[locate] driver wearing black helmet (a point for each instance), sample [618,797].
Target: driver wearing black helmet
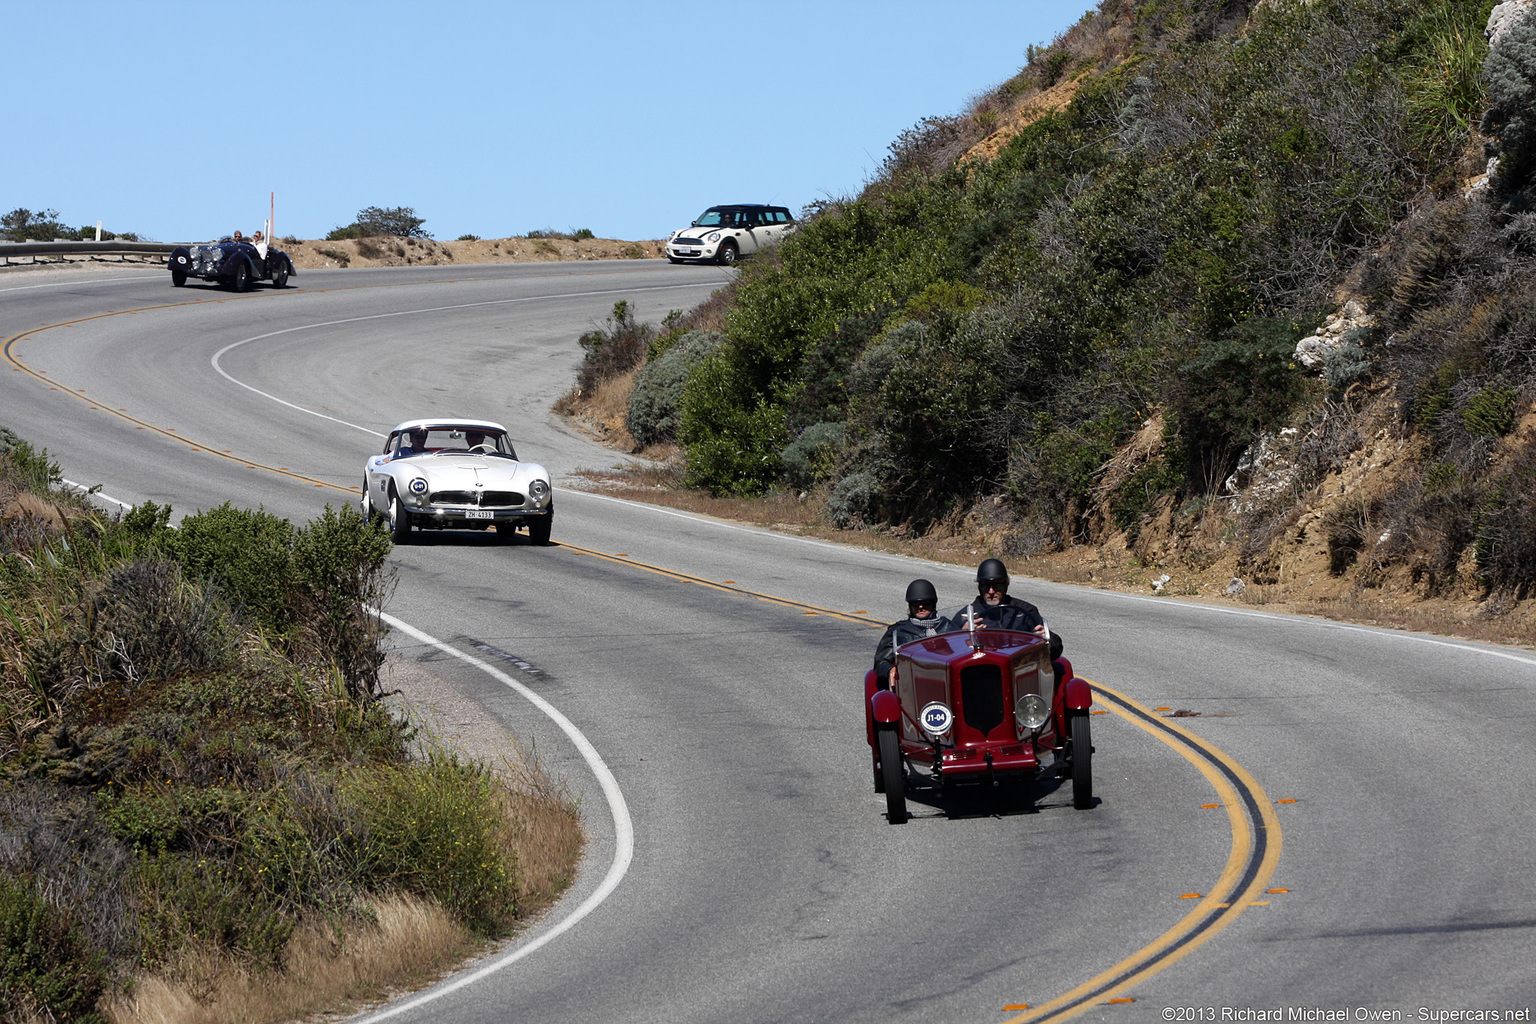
[922,621]
[994,608]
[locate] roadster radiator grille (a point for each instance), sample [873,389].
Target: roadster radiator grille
[981,697]
[479,499]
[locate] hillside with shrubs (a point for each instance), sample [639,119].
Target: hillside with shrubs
[207,811]
[1225,291]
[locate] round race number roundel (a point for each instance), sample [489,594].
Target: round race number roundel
[418,486]
[936,719]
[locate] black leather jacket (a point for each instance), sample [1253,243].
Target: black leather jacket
[904,632]
[1009,613]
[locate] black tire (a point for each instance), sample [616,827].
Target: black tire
[241,282]
[179,278]
[1082,763]
[895,778]
[879,778]
[673,259]
[539,529]
[280,275]
[399,520]
[727,254]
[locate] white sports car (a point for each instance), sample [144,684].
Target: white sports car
[456,474]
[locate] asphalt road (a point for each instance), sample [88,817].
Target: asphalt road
[1376,781]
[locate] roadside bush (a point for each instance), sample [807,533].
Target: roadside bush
[248,553]
[614,348]
[338,564]
[1506,531]
[437,830]
[653,415]
[25,466]
[1230,390]
[47,968]
[812,457]
[148,622]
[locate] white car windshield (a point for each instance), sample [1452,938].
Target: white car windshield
[713,218]
[453,439]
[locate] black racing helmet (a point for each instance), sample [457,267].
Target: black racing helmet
[992,570]
[921,590]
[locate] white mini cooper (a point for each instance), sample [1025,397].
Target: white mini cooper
[723,233]
[456,474]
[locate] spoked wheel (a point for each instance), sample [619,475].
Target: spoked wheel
[399,520]
[242,279]
[894,778]
[280,275]
[1082,763]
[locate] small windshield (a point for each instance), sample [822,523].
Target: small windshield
[449,438]
[715,217]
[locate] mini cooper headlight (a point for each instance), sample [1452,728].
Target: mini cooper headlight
[714,237]
[936,719]
[538,490]
[1031,710]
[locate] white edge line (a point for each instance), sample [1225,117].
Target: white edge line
[623,827]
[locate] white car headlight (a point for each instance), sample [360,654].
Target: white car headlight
[714,237]
[1032,711]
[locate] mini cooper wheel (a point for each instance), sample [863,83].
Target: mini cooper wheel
[399,520]
[895,778]
[1082,763]
[280,275]
[727,256]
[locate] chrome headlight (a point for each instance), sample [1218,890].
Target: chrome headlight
[714,236]
[1032,711]
[936,719]
[538,490]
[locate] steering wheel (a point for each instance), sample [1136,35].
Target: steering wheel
[489,449]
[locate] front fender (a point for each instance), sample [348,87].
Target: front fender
[1077,695]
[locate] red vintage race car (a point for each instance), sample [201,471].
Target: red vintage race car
[979,707]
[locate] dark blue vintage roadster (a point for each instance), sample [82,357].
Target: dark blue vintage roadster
[235,265]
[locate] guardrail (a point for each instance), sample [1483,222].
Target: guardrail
[28,253]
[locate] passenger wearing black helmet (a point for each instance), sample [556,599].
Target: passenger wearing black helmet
[922,620]
[995,609]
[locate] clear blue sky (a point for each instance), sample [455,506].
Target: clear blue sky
[176,119]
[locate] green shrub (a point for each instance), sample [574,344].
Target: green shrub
[248,553]
[1233,388]
[47,968]
[614,348]
[338,564]
[26,465]
[653,414]
[1490,412]
[468,238]
[582,234]
[436,830]
[812,457]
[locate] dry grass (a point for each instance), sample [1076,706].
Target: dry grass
[410,943]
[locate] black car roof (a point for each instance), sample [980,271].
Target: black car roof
[747,206]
